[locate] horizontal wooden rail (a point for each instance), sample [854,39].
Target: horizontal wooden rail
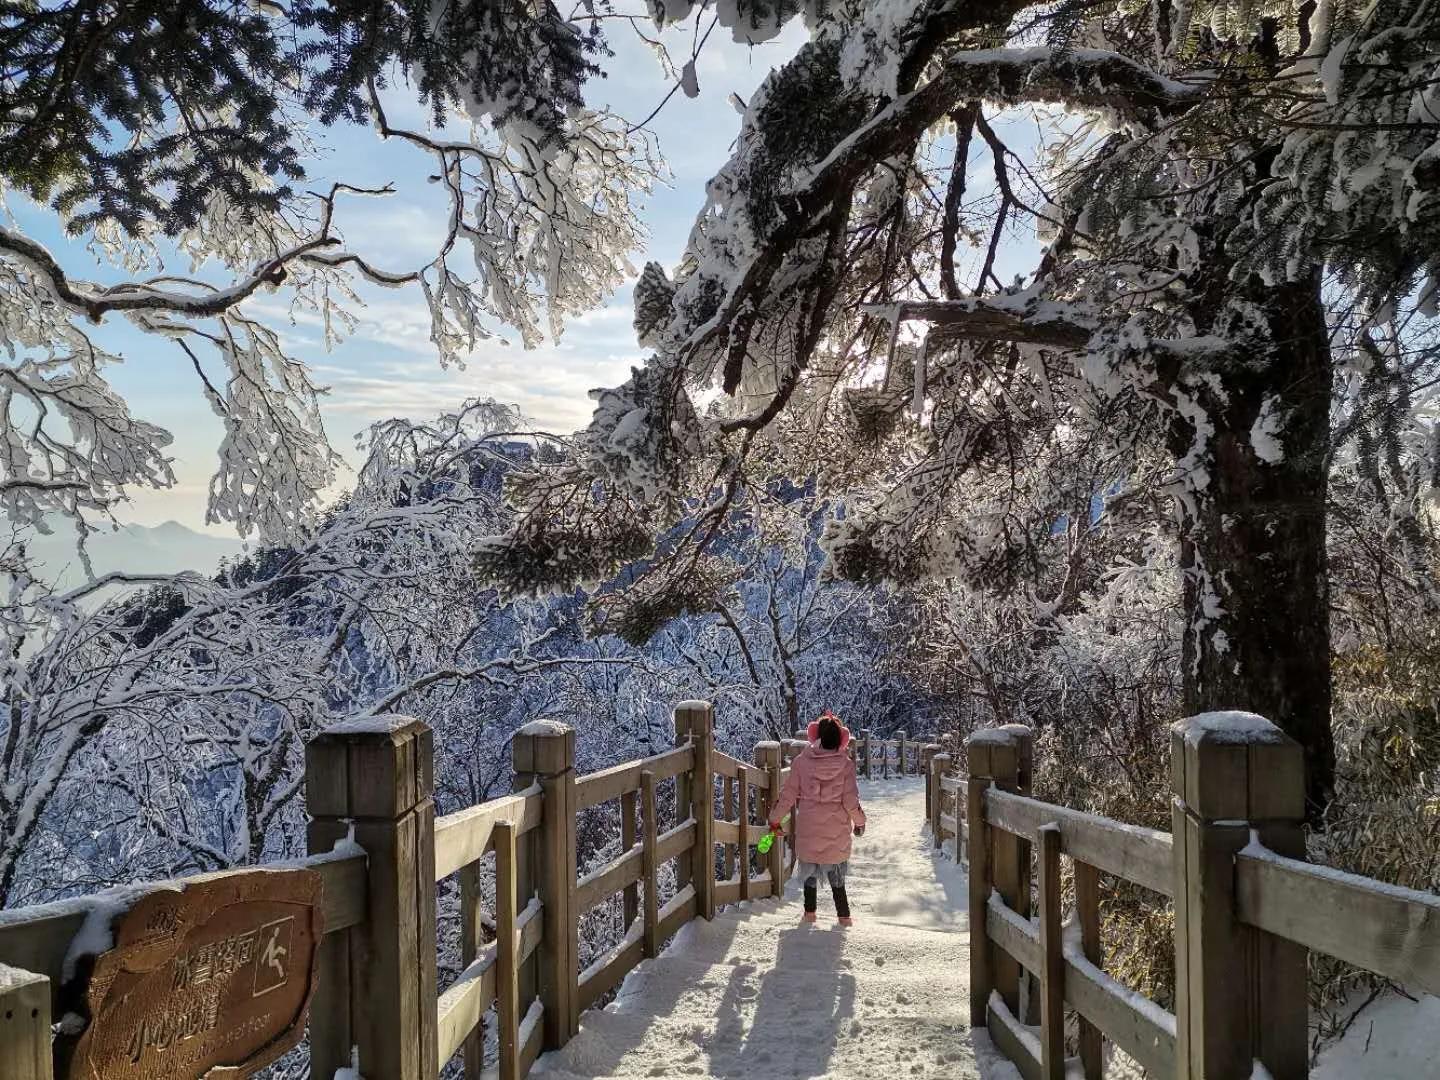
[604,882]
[1134,1023]
[953,784]
[676,912]
[606,971]
[1386,929]
[725,765]
[1137,854]
[466,835]
[473,992]
[675,841]
[611,783]
[1013,1039]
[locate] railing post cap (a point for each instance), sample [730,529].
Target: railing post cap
[1237,766]
[546,747]
[369,767]
[1003,752]
[694,717]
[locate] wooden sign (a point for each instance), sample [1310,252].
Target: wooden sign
[211,979]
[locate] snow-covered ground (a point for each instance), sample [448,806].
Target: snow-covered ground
[1394,1039]
[757,995]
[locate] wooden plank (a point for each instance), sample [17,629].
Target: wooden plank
[1392,931]
[727,811]
[1012,1039]
[529,930]
[978,881]
[676,841]
[630,838]
[470,944]
[949,826]
[727,892]
[507,981]
[464,836]
[24,1025]
[1012,932]
[463,1005]
[742,781]
[611,783]
[602,883]
[1087,914]
[1052,958]
[680,909]
[722,764]
[1141,1028]
[727,833]
[1138,855]
[599,979]
[532,1036]
[650,864]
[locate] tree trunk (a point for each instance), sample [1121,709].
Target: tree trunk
[1256,586]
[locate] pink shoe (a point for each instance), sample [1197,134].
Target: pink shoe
[809,917]
[847,922]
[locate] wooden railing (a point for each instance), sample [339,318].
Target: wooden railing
[1247,907]
[380,852]
[883,758]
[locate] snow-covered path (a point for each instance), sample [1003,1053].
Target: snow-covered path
[756,995]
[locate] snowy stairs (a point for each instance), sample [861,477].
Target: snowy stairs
[757,995]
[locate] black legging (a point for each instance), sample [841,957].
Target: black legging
[837,892]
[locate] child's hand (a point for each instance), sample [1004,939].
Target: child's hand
[859,830]
[776,829]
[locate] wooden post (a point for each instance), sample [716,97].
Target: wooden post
[728,812]
[937,769]
[629,837]
[978,878]
[544,753]
[743,783]
[696,719]
[927,755]
[900,753]
[767,756]
[1087,911]
[1052,958]
[1240,993]
[869,753]
[507,974]
[372,780]
[998,756]
[24,1025]
[649,866]
[470,935]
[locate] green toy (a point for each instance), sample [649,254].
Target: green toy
[768,840]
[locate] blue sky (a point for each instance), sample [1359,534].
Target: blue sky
[387,366]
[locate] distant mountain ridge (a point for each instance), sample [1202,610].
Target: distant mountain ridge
[167,548]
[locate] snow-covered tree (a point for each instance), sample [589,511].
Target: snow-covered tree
[171,142]
[1240,212]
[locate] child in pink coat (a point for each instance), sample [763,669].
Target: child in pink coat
[822,785]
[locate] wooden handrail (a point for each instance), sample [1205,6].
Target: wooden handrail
[611,783]
[1386,929]
[1139,855]
[466,835]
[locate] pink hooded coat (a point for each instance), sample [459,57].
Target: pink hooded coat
[822,784]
